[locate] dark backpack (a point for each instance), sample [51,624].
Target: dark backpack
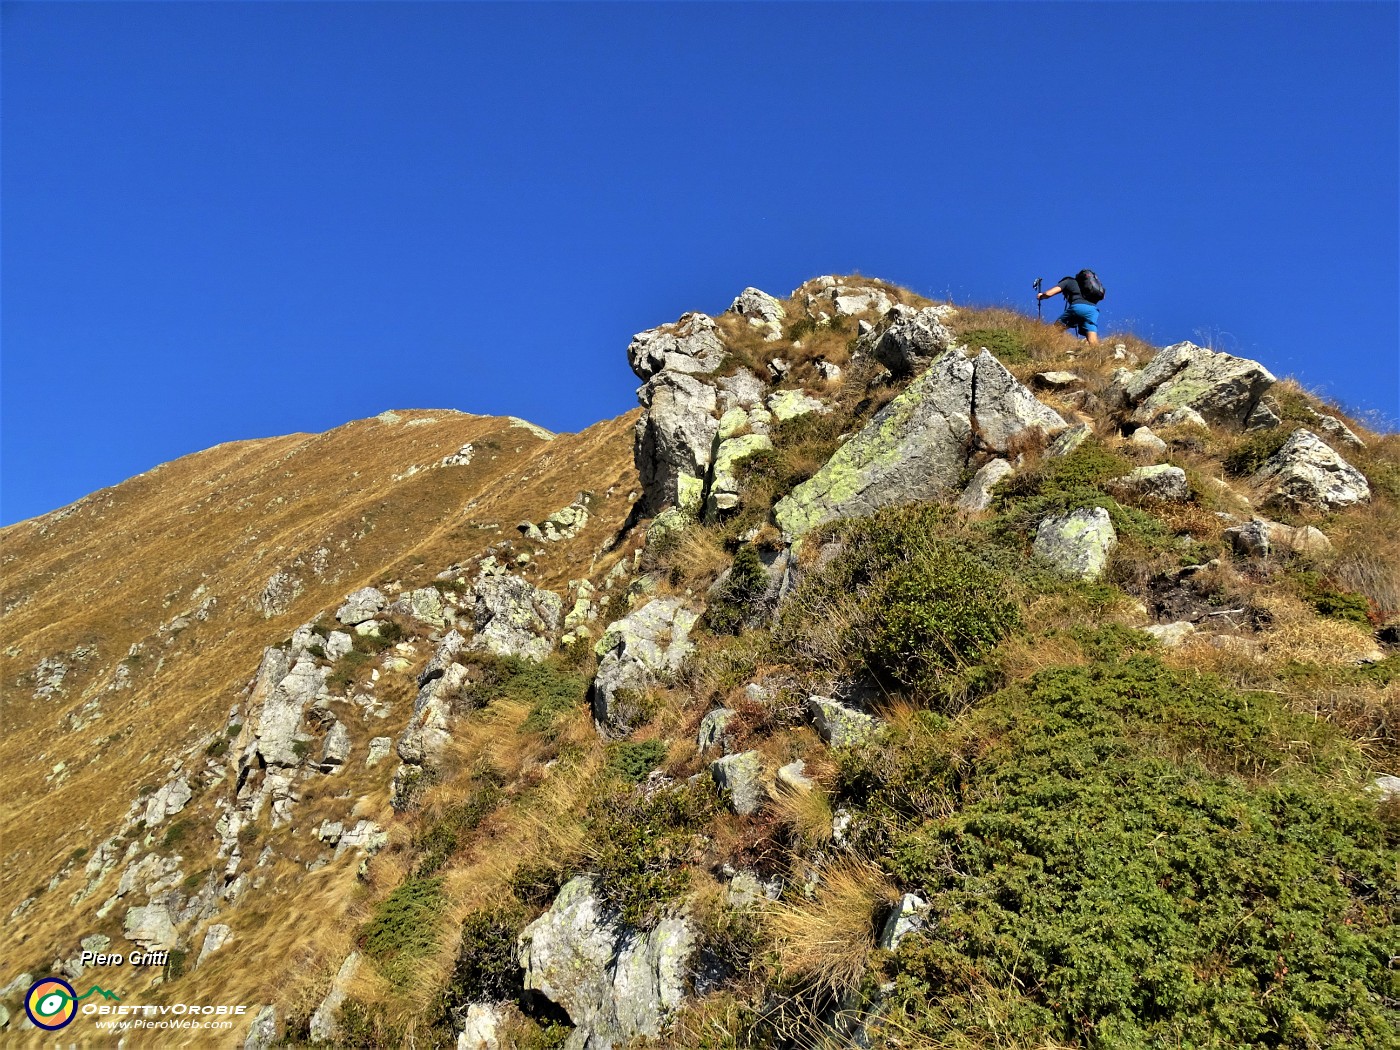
[1089,285]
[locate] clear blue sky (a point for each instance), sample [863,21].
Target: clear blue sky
[228,221]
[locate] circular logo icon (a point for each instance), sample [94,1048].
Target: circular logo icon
[51,1003]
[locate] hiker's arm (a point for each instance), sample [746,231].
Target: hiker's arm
[1047,295]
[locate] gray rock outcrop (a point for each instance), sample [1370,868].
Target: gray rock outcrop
[1306,474]
[690,345]
[713,726]
[642,647]
[906,917]
[674,440]
[615,983]
[912,338]
[916,446]
[150,926]
[364,604]
[1221,387]
[280,696]
[263,1031]
[761,311]
[514,618]
[1078,543]
[168,801]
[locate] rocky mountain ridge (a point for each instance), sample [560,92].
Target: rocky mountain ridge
[426,670]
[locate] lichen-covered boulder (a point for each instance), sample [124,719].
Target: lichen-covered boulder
[690,345]
[1306,474]
[1160,482]
[712,727]
[912,338]
[789,404]
[514,618]
[647,644]
[740,778]
[424,604]
[839,725]
[1078,543]
[724,483]
[615,983]
[674,437]
[916,446]
[1221,387]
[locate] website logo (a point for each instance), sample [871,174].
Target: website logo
[52,1003]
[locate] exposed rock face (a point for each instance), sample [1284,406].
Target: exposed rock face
[839,725]
[691,345]
[324,1022]
[423,604]
[1260,538]
[263,1030]
[151,927]
[1221,387]
[214,938]
[1306,474]
[1160,482]
[282,695]
[978,494]
[481,1028]
[741,778]
[615,983]
[514,618]
[636,650]
[674,437]
[1077,544]
[168,801]
[845,299]
[363,605]
[912,338]
[762,311]
[916,446]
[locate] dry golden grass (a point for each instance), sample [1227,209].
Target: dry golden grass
[827,940]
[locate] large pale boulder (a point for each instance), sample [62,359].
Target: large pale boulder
[647,644]
[1078,543]
[978,494]
[916,446]
[514,618]
[616,984]
[724,482]
[912,338]
[1260,538]
[761,311]
[1307,474]
[168,801]
[1221,387]
[674,436]
[690,345]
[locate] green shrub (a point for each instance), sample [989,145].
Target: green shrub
[1331,602]
[175,964]
[175,834]
[632,761]
[233,730]
[536,884]
[366,1025]
[733,606]
[551,688]
[301,748]
[487,969]
[640,846]
[317,650]
[1130,856]
[217,748]
[405,926]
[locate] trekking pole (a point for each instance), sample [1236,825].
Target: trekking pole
[1036,285]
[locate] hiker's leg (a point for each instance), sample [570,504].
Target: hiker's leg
[1089,322]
